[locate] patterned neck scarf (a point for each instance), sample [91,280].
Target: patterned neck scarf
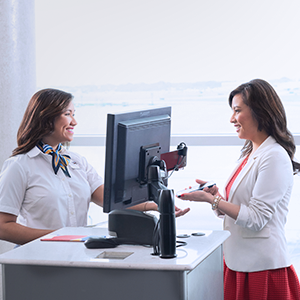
[58,160]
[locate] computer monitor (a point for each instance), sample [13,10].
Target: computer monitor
[134,140]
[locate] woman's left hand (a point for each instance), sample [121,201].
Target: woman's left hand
[198,196]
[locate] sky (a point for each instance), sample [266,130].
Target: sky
[98,42]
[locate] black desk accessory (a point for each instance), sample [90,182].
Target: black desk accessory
[134,226]
[167,224]
[100,242]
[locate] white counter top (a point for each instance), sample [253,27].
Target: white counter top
[75,254]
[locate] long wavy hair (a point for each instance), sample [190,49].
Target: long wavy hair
[38,120]
[267,109]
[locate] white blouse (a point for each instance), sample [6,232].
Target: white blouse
[31,190]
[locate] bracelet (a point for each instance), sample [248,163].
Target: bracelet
[216,202]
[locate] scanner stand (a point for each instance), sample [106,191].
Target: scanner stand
[139,227]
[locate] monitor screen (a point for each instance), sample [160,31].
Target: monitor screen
[133,140]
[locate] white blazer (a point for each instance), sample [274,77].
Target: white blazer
[262,189]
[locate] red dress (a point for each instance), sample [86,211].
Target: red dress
[277,284]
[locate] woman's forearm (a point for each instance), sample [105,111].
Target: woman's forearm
[227,208]
[16,233]
[19,234]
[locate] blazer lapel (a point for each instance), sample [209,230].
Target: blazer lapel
[269,141]
[241,175]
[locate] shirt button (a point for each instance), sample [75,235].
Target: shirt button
[70,195]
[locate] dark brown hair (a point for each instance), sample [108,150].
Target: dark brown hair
[38,120]
[267,109]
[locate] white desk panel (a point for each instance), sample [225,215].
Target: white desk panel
[76,254]
[68,270]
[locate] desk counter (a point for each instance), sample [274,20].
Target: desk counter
[68,270]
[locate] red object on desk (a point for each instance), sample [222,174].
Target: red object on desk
[67,238]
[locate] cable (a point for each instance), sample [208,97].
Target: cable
[156,239]
[182,243]
[182,151]
[176,167]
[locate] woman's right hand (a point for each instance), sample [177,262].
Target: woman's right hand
[212,190]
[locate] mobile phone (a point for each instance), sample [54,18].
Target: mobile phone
[191,189]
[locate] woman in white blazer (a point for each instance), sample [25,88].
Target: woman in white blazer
[256,197]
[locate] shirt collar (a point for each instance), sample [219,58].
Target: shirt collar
[35,151]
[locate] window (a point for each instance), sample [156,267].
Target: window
[124,55]
[128,54]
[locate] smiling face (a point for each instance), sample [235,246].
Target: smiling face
[246,126]
[63,128]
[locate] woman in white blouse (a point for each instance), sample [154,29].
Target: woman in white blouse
[44,186]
